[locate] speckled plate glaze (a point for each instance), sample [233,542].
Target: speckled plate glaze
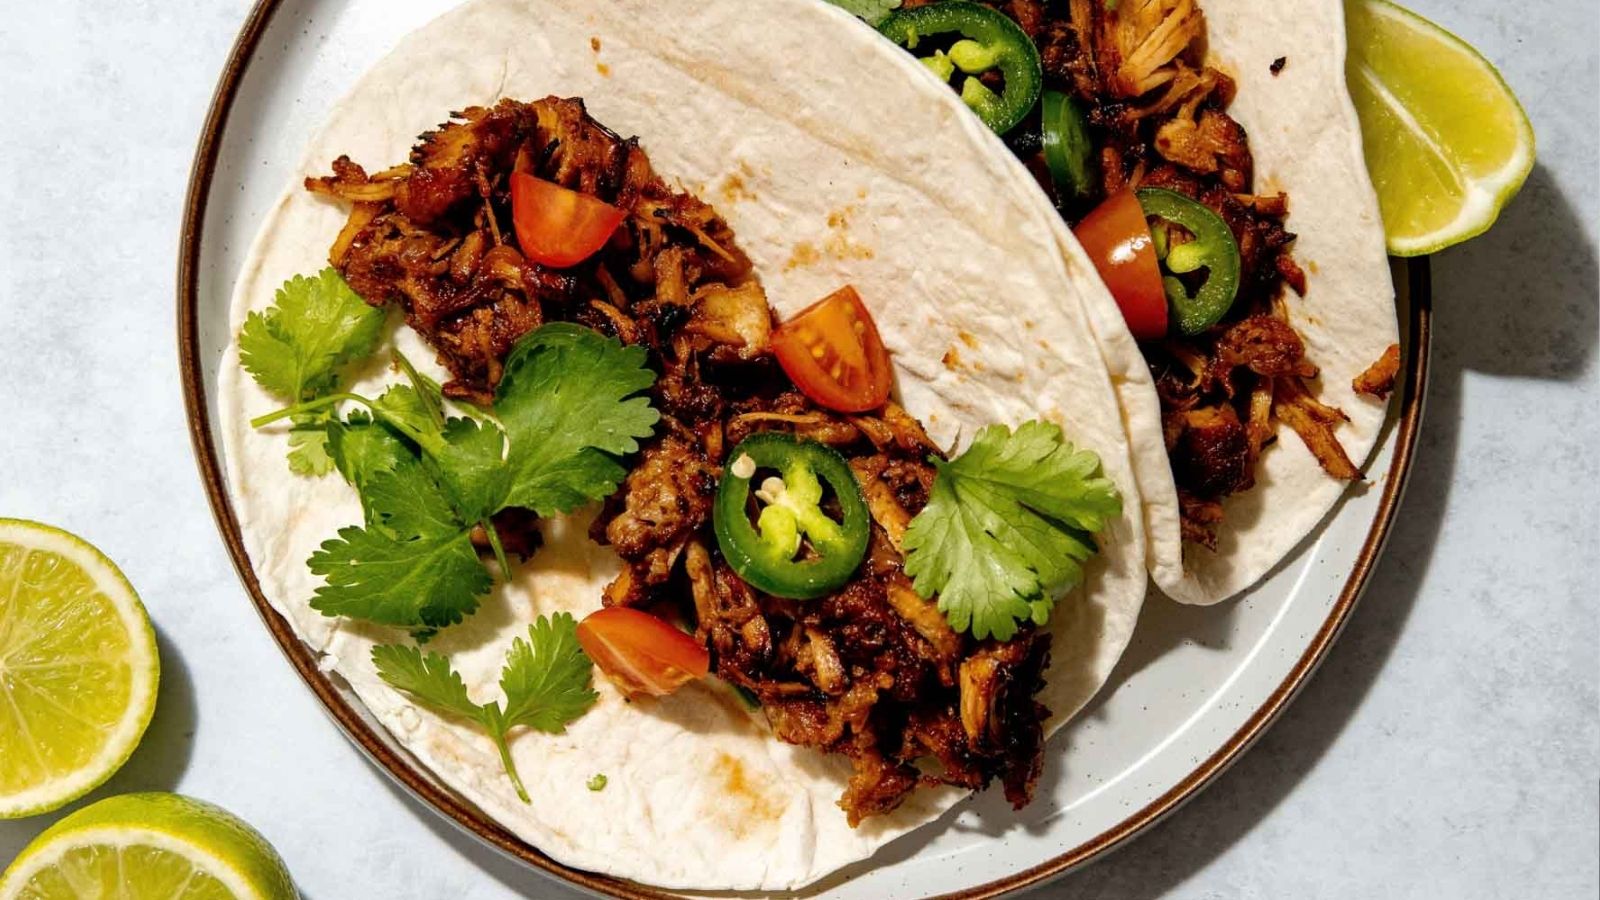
[1197,687]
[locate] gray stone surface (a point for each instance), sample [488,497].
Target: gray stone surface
[1447,749]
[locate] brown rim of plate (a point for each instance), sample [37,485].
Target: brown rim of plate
[467,816]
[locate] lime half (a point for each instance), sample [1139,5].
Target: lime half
[78,668]
[1446,141]
[149,846]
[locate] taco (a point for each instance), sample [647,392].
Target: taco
[823,613]
[1208,157]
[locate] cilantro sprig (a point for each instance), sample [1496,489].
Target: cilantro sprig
[1008,526]
[546,683]
[570,402]
[413,563]
[296,350]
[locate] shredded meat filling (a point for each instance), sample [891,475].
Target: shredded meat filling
[663,503]
[873,671]
[434,236]
[1159,117]
[1315,422]
[1378,379]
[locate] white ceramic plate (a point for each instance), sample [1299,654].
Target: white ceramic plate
[1196,687]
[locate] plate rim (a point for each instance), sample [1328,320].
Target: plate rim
[464,815]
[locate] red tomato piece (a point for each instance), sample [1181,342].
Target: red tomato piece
[640,653]
[1117,238]
[833,354]
[556,226]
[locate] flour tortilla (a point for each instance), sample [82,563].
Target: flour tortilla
[837,160]
[1306,141]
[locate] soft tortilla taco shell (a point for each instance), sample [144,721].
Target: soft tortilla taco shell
[837,159]
[1306,141]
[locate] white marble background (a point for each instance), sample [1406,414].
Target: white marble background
[1449,748]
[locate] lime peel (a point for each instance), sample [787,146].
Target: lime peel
[55,588]
[1447,147]
[138,845]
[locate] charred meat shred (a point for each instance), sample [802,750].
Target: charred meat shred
[872,672]
[1378,379]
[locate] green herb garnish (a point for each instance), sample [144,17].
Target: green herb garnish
[412,566]
[546,682]
[297,348]
[597,782]
[308,446]
[569,403]
[1007,527]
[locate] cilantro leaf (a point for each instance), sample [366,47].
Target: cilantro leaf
[407,505]
[295,348]
[408,411]
[546,682]
[414,564]
[428,678]
[1007,527]
[547,678]
[429,394]
[315,325]
[308,445]
[426,582]
[471,467]
[570,402]
[464,455]
[361,448]
[874,11]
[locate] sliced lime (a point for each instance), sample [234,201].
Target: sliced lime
[145,847]
[1446,141]
[78,668]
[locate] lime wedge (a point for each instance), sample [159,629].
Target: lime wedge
[78,668]
[148,846]
[1446,141]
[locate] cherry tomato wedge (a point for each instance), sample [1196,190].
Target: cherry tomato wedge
[833,354]
[556,226]
[640,653]
[1118,240]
